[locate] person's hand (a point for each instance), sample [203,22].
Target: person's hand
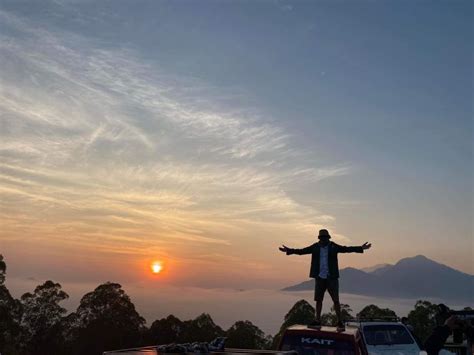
[452,322]
[284,249]
[366,245]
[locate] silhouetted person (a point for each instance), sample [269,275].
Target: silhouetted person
[325,270]
[435,342]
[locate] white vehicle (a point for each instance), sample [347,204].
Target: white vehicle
[388,338]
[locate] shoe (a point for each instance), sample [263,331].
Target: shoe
[340,327]
[316,324]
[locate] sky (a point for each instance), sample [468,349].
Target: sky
[204,135]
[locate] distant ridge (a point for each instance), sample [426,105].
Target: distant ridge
[413,277]
[375,267]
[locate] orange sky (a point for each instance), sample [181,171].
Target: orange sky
[110,161]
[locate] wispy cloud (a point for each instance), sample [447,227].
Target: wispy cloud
[97,144]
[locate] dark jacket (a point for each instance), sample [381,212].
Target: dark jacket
[333,266]
[436,340]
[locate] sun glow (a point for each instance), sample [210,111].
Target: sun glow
[156,267]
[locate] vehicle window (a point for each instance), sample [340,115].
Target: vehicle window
[387,334]
[317,346]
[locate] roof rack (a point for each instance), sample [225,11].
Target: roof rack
[463,314]
[373,319]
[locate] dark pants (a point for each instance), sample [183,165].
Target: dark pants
[331,285]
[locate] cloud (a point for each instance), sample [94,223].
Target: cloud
[99,145]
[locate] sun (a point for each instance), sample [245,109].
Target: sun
[156,267]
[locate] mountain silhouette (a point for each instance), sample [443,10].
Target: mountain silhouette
[415,277]
[375,267]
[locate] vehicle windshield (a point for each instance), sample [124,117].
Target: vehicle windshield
[388,334]
[305,345]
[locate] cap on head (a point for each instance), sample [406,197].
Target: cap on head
[323,233]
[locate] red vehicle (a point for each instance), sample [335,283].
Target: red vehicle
[152,350]
[324,341]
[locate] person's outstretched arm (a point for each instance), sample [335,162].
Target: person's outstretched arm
[289,251]
[343,249]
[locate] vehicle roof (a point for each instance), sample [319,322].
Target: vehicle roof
[381,323]
[152,350]
[350,330]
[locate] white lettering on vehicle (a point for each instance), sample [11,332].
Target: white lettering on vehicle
[316,341]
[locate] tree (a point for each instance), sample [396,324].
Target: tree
[106,319]
[3,270]
[202,328]
[10,314]
[423,319]
[373,311]
[331,318]
[166,330]
[69,333]
[41,318]
[301,313]
[245,335]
